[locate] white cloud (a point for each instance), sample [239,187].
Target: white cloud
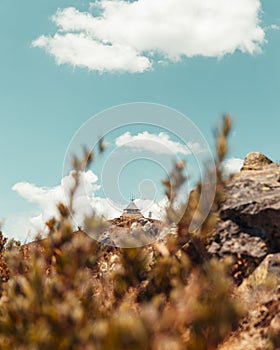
[232,166]
[274,27]
[19,228]
[47,199]
[156,143]
[124,35]
[157,209]
[81,51]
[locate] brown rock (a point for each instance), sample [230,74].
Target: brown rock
[260,328]
[249,225]
[253,197]
[255,161]
[266,275]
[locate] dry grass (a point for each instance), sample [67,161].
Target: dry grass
[69,292]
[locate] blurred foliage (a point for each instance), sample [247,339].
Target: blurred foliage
[69,292]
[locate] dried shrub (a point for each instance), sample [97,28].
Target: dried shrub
[69,292]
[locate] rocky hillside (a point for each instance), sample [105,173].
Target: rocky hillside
[249,225]
[215,288]
[131,231]
[249,232]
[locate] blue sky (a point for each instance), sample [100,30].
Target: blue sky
[43,104]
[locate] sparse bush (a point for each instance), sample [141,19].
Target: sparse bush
[69,292]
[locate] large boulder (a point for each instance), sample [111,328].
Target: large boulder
[249,225]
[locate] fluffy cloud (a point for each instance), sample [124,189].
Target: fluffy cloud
[156,143]
[47,199]
[274,27]
[82,51]
[19,228]
[117,35]
[85,201]
[157,209]
[232,166]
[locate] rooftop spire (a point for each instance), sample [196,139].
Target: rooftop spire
[132,209]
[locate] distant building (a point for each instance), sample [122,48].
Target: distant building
[132,211]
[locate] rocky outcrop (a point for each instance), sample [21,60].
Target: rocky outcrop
[253,199]
[255,161]
[267,274]
[249,225]
[128,231]
[260,293]
[249,230]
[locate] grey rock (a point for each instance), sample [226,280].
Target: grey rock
[249,224]
[233,239]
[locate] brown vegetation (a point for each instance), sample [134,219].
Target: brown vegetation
[70,292]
